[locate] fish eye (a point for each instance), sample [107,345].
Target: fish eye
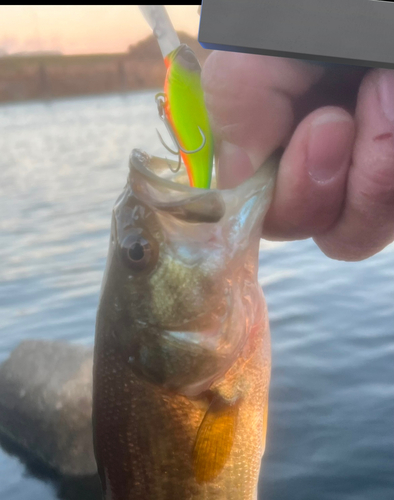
[138,253]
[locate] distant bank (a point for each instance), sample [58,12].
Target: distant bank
[51,76]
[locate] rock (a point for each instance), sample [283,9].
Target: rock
[46,404]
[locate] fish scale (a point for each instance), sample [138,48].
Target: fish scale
[152,433]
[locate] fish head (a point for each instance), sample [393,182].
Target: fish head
[180,286]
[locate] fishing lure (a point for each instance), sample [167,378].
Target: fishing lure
[181,106]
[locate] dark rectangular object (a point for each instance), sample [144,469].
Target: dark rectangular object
[357,32]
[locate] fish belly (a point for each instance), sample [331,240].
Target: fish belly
[144,437]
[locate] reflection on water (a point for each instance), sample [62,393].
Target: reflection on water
[331,431]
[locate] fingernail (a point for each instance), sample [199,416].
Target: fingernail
[386,94]
[323,160]
[234,166]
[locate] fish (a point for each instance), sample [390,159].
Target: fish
[182,348]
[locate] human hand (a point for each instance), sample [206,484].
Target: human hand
[336,178]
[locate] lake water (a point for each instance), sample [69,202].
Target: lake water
[331,425]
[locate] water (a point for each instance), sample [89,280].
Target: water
[331,426]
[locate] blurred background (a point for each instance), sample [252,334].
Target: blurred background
[77,86]
[61,51]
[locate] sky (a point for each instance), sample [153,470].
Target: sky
[82,29]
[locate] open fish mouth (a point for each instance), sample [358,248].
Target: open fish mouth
[158,170]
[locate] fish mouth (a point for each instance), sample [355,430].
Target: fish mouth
[157,182]
[153,180]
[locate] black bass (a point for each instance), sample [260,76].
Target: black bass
[182,349]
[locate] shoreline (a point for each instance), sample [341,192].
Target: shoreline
[48,77]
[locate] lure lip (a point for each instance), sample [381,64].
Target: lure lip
[162,28]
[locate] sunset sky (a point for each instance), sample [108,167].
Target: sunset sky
[82,29]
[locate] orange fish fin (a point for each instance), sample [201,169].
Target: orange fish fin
[214,439]
[265,425]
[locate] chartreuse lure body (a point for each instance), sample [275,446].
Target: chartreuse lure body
[181,107]
[186,113]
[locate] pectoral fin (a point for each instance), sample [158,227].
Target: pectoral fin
[215,439]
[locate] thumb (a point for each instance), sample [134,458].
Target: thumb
[249,100]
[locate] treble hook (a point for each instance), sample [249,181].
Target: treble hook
[160,102]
